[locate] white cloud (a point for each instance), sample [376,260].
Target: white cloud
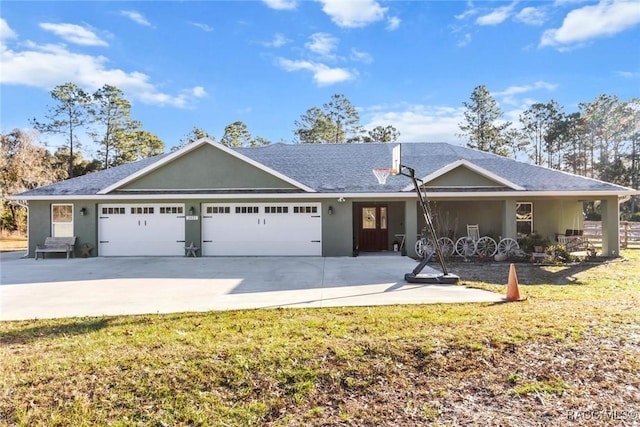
[198,92]
[419,123]
[5,31]
[497,16]
[629,74]
[136,17]
[322,44]
[46,66]
[74,34]
[360,56]
[393,23]
[465,40]
[531,16]
[603,19]
[470,11]
[508,95]
[322,74]
[353,14]
[278,40]
[203,27]
[281,4]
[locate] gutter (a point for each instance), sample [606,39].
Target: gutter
[297,196]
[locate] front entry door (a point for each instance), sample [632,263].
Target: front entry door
[373,228]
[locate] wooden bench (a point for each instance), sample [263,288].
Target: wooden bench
[57,245]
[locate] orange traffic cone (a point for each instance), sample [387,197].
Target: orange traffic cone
[513,294]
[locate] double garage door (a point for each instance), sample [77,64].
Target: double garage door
[228,229]
[141,229]
[261,229]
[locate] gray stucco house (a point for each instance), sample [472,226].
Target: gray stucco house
[309,200]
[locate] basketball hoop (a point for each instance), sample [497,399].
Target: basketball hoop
[381,174]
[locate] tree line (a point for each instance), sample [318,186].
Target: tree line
[601,140]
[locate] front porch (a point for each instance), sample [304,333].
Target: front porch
[381,226]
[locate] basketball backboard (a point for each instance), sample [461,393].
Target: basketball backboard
[396,164]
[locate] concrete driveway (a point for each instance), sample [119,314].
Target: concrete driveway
[54,288]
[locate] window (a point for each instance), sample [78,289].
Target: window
[141,210]
[305,209]
[171,210]
[247,209]
[368,218]
[524,218]
[61,220]
[113,211]
[276,209]
[218,209]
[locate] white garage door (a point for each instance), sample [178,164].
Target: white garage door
[260,229]
[141,230]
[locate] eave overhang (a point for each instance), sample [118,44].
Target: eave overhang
[451,195]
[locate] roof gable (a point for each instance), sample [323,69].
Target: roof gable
[463,174]
[205,165]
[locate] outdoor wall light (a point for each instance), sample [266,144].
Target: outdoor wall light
[330,210]
[192,211]
[83,211]
[341,200]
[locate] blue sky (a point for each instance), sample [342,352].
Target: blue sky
[409,64]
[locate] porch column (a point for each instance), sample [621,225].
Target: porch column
[410,226]
[509,228]
[610,226]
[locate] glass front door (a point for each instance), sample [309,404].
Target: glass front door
[373,228]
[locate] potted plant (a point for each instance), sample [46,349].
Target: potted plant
[534,243]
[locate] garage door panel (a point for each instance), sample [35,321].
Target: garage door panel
[265,229]
[141,230]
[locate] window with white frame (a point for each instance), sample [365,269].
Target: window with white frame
[524,218]
[61,220]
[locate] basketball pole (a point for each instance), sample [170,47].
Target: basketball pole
[427,215]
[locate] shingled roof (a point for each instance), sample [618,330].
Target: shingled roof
[347,168]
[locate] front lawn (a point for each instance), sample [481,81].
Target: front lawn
[568,355]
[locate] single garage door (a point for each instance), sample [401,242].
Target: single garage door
[141,230]
[261,229]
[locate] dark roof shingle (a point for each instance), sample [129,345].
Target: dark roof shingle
[337,168]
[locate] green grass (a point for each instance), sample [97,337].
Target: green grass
[568,347]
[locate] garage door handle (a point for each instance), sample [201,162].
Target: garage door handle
[207,241]
[181,241]
[104,241]
[315,241]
